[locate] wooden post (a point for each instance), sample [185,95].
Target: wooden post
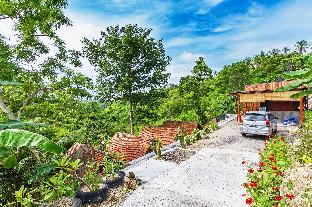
[301,111]
[239,120]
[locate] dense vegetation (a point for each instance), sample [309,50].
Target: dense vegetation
[42,92]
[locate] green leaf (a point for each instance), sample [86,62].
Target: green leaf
[46,197]
[10,162]
[294,85]
[19,124]
[9,83]
[4,152]
[298,74]
[16,138]
[302,93]
[265,178]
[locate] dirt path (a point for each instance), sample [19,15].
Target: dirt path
[211,178]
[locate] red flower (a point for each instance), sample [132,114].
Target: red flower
[274,168]
[278,172]
[278,198]
[275,205]
[250,170]
[249,201]
[253,184]
[272,158]
[290,196]
[244,194]
[244,162]
[261,164]
[246,185]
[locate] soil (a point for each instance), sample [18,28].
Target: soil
[301,178]
[118,195]
[177,156]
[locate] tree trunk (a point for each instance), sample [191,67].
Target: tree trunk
[131,116]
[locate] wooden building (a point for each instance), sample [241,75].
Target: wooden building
[263,97]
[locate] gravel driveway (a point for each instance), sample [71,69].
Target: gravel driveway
[212,177]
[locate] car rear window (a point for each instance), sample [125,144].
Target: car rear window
[254,117]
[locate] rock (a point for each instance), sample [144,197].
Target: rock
[68,202]
[131,175]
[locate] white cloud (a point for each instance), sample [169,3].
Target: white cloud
[206,5]
[251,33]
[189,57]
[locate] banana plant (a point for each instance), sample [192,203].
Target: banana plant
[300,78]
[12,139]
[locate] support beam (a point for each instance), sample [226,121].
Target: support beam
[239,118]
[301,111]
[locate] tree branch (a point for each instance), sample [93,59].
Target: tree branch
[26,101]
[6,110]
[4,17]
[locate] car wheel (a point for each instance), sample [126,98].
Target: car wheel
[243,134]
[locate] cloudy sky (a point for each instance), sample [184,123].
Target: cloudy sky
[222,31]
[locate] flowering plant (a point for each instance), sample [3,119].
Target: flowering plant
[265,178]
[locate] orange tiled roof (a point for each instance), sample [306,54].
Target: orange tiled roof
[265,86]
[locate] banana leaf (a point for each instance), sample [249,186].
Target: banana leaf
[9,83]
[16,138]
[298,74]
[294,85]
[19,124]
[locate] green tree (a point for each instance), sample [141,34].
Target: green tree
[23,75]
[196,86]
[129,62]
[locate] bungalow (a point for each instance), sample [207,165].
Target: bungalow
[263,97]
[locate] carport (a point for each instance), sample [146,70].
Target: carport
[263,97]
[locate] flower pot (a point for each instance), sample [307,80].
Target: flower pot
[94,197]
[117,181]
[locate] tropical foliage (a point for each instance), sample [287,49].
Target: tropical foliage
[46,105]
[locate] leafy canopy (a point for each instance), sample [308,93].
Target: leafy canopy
[129,63]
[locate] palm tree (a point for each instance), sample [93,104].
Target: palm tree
[301,46]
[285,50]
[274,52]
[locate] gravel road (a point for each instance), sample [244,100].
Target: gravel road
[211,178]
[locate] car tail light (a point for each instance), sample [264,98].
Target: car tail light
[267,123]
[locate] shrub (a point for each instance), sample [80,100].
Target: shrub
[111,164]
[264,180]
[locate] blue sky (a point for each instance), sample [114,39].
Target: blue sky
[221,31]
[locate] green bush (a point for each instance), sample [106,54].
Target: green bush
[264,180]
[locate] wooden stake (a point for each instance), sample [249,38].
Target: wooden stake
[239,120]
[301,111]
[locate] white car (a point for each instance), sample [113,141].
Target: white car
[258,123]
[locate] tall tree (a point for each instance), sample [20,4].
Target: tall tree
[129,62]
[197,85]
[22,59]
[301,46]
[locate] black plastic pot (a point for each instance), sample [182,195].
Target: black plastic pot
[94,197]
[117,181]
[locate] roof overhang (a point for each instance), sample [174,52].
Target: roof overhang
[270,96]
